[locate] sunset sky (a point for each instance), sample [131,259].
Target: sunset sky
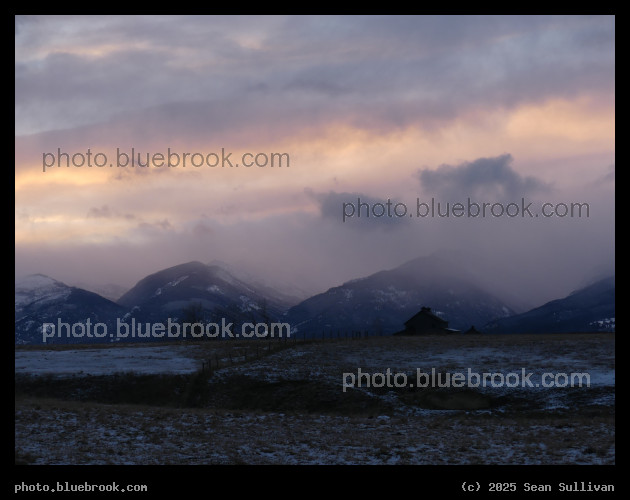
[492,108]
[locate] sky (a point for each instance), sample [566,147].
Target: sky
[407,109]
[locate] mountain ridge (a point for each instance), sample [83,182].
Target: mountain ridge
[587,309]
[40,299]
[381,302]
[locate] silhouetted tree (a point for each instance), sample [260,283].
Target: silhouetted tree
[194,313]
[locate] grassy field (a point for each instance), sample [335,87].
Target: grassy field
[278,402]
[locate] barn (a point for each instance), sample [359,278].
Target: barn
[426,322]
[472,330]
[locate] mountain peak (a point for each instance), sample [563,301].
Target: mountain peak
[384,300]
[168,292]
[34,281]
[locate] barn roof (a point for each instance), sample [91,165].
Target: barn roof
[426,312]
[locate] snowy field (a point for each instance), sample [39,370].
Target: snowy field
[285,403]
[99,434]
[102,361]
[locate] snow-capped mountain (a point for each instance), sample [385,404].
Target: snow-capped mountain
[379,303]
[169,292]
[383,301]
[38,288]
[40,299]
[589,309]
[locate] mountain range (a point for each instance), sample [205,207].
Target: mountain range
[379,303]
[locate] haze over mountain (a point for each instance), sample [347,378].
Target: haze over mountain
[379,303]
[288,293]
[504,110]
[110,291]
[383,301]
[588,309]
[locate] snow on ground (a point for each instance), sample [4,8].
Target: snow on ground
[331,360]
[337,362]
[49,433]
[570,429]
[538,356]
[103,361]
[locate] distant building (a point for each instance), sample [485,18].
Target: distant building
[426,322]
[471,330]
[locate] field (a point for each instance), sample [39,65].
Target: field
[293,402]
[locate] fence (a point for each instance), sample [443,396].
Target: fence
[261,348]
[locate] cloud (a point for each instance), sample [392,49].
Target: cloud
[96,212]
[105,212]
[202,230]
[488,179]
[359,103]
[610,174]
[361,211]
[327,88]
[392,71]
[162,224]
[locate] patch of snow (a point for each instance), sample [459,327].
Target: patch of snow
[105,361]
[391,294]
[177,281]
[248,304]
